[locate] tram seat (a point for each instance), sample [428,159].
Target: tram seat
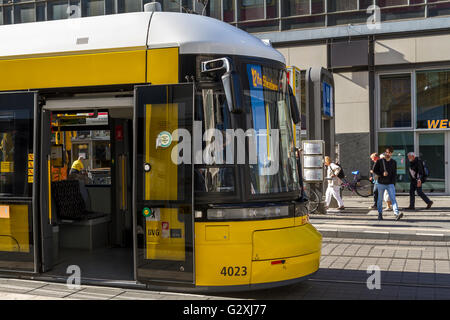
[78,228]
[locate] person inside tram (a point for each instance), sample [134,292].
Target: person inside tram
[77,166]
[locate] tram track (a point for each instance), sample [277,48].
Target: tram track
[395,284]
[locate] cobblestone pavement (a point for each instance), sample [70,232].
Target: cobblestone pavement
[409,270]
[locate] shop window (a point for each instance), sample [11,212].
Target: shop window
[432,151]
[433,98]
[403,143]
[395,101]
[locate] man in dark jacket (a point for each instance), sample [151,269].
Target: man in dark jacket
[416,175]
[386,170]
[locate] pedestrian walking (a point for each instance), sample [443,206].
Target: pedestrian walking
[417,177]
[386,169]
[374,179]
[386,194]
[334,184]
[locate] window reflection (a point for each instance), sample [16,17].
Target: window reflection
[433,97]
[16,143]
[403,143]
[395,101]
[57,10]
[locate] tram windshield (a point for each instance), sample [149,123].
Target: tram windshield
[267,94]
[271,167]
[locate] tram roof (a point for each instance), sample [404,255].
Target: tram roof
[193,34]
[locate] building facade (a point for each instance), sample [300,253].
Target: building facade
[390,60]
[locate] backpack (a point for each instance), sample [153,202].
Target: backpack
[426,171]
[341,174]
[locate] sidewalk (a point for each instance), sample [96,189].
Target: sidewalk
[18,289]
[357,221]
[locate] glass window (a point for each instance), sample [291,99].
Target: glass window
[364,4]
[433,97]
[130,6]
[342,5]
[405,12]
[75,9]
[276,169]
[170,5]
[439,9]
[347,17]
[395,101]
[251,9]
[24,13]
[228,11]
[57,10]
[304,22]
[93,8]
[403,143]
[317,6]
[40,11]
[1,16]
[16,143]
[432,151]
[214,113]
[110,6]
[7,15]
[260,26]
[295,8]
[391,3]
[214,9]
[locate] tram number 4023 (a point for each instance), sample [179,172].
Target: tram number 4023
[234,271]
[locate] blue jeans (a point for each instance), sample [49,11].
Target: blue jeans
[391,191]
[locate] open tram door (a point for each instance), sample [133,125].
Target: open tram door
[163,188]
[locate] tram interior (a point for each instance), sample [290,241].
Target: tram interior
[90,174]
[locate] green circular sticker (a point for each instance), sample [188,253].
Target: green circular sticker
[147,212]
[165,139]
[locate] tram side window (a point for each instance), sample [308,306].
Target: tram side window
[16,146]
[212,111]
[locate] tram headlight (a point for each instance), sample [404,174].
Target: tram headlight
[248,213]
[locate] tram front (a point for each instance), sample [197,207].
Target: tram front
[250,229]
[217,179]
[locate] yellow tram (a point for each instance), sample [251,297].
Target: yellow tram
[143,101]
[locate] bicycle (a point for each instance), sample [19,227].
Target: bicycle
[313,200]
[361,186]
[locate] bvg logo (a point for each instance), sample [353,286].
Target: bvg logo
[154,232]
[257,80]
[438,124]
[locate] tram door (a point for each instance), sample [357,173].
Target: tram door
[18,181]
[163,190]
